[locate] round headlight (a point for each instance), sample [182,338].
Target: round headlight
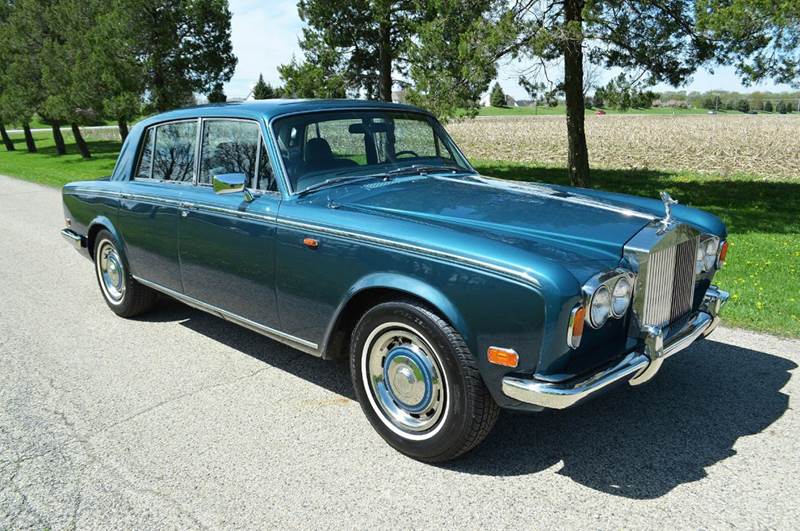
[621,297]
[600,307]
[700,260]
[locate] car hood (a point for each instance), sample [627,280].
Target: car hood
[560,224]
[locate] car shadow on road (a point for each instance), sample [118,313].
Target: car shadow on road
[643,442]
[633,442]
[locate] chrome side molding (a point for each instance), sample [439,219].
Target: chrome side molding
[304,345]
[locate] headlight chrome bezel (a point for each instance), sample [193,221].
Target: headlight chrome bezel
[607,281]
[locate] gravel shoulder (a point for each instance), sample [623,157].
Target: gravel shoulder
[182,420]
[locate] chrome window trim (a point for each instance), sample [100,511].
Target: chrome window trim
[302,344]
[376,108]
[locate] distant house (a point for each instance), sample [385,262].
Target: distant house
[486,101]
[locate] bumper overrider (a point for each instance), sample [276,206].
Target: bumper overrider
[636,368]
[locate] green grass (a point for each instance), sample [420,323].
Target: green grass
[45,167]
[763,217]
[560,110]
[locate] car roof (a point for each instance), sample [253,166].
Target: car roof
[274,107]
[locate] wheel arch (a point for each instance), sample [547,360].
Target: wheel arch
[382,287]
[97,224]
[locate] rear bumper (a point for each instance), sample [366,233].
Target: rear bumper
[75,240]
[636,368]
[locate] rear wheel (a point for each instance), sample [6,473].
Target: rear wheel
[418,384]
[125,296]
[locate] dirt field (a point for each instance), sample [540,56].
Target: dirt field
[762,145]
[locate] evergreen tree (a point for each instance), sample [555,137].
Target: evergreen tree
[781,107]
[768,106]
[497,97]
[183,46]
[262,90]
[217,95]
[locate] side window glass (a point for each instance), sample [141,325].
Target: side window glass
[146,155]
[174,151]
[229,146]
[266,177]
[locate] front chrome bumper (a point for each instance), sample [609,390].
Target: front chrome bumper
[636,368]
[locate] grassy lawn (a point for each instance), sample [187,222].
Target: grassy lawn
[45,167]
[560,109]
[763,217]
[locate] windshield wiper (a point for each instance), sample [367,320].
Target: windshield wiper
[332,182]
[421,169]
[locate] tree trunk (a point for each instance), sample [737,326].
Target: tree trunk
[578,157]
[6,140]
[385,59]
[82,147]
[61,148]
[29,138]
[123,129]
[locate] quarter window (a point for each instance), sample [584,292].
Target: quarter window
[174,151]
[146,158]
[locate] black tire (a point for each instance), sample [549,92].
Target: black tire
[125,296]
[468,410]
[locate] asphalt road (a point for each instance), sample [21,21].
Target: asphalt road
[181,420]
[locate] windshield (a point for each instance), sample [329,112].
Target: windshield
[337,146]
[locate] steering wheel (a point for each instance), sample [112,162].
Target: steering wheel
[406,152]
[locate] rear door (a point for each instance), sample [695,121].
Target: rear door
[227,244]
[150,204]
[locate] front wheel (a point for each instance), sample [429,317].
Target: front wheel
[125,296]
[418,384]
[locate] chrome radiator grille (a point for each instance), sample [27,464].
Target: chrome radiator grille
[669,287]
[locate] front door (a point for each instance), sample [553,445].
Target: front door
[227,244]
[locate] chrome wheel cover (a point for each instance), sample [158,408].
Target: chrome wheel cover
[404,381]
[111,272]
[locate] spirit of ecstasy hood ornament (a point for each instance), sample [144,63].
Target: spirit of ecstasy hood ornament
[668,202]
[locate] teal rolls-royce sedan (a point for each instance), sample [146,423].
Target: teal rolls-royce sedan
[356,228]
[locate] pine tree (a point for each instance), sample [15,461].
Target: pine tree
[497,97]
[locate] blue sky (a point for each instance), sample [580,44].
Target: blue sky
[265,35]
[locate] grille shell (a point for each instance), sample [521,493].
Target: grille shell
[665,282]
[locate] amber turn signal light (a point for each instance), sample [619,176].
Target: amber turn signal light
[723,252]
[503,356]
[575,329]
[311,243]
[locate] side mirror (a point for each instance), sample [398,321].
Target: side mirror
[231,183]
